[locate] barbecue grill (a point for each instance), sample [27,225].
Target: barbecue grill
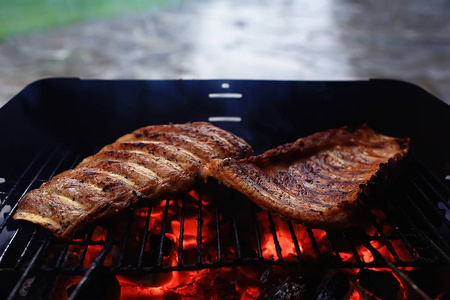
[53,123]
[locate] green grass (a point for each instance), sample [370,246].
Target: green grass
[26,16]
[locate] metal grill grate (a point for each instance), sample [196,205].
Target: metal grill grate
[213,227]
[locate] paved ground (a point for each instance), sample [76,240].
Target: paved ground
[245,39]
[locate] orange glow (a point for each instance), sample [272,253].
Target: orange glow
[365,255]
[347,256]
[201,284]
[355,295]
[242,281]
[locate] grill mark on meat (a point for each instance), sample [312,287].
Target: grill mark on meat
[320,181]
[220,140]
[203,131]
[183,142]
[134,172]
[150,163]
[152,142]
[69,201]
[191,155]
[162,160]
[70,183]
[115,176]
[142,170]
[237,143]
[217,139]
[147,160]
[158,150]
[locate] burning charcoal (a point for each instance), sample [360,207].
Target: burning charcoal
[102,286]
[381,284]
[279,283]
[288,290]
[333,286]
[151,257]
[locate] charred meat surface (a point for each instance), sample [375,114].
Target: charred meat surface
[320,180]
[149,163]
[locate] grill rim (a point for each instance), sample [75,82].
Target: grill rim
[242,260]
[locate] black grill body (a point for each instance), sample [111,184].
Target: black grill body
[54,123]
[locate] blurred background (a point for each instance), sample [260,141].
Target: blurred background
[226,39]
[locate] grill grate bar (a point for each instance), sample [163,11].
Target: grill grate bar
[181,237]
[10,242]
[98,262]
[426,221]
[400,233]
[44,280]
[430,175]
[274,235]
[385,239]
[338,241]
[425,237]
[42,283]
[58,165]
[350,241]
[199,229]
[218,236]
[22,175]
[230,263]
[35,178]
[333,243]
[396,271]
[85,244]
[427,182]
[61,256]
[25,250]
[144,237]
[235,228]
[33,263]
[255,226]
[126,237]
[163,234]
[431,205]
[256,261]
[295,241]
[314,244]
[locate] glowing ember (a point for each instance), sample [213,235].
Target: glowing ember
[197,218]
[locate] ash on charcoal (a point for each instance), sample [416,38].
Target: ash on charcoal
[278,284]
[288,290]
[333,286]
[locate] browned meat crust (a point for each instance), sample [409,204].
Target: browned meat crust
[320,180]
[149,163]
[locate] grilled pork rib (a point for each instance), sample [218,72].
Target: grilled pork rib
[320,180]
[149,163]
